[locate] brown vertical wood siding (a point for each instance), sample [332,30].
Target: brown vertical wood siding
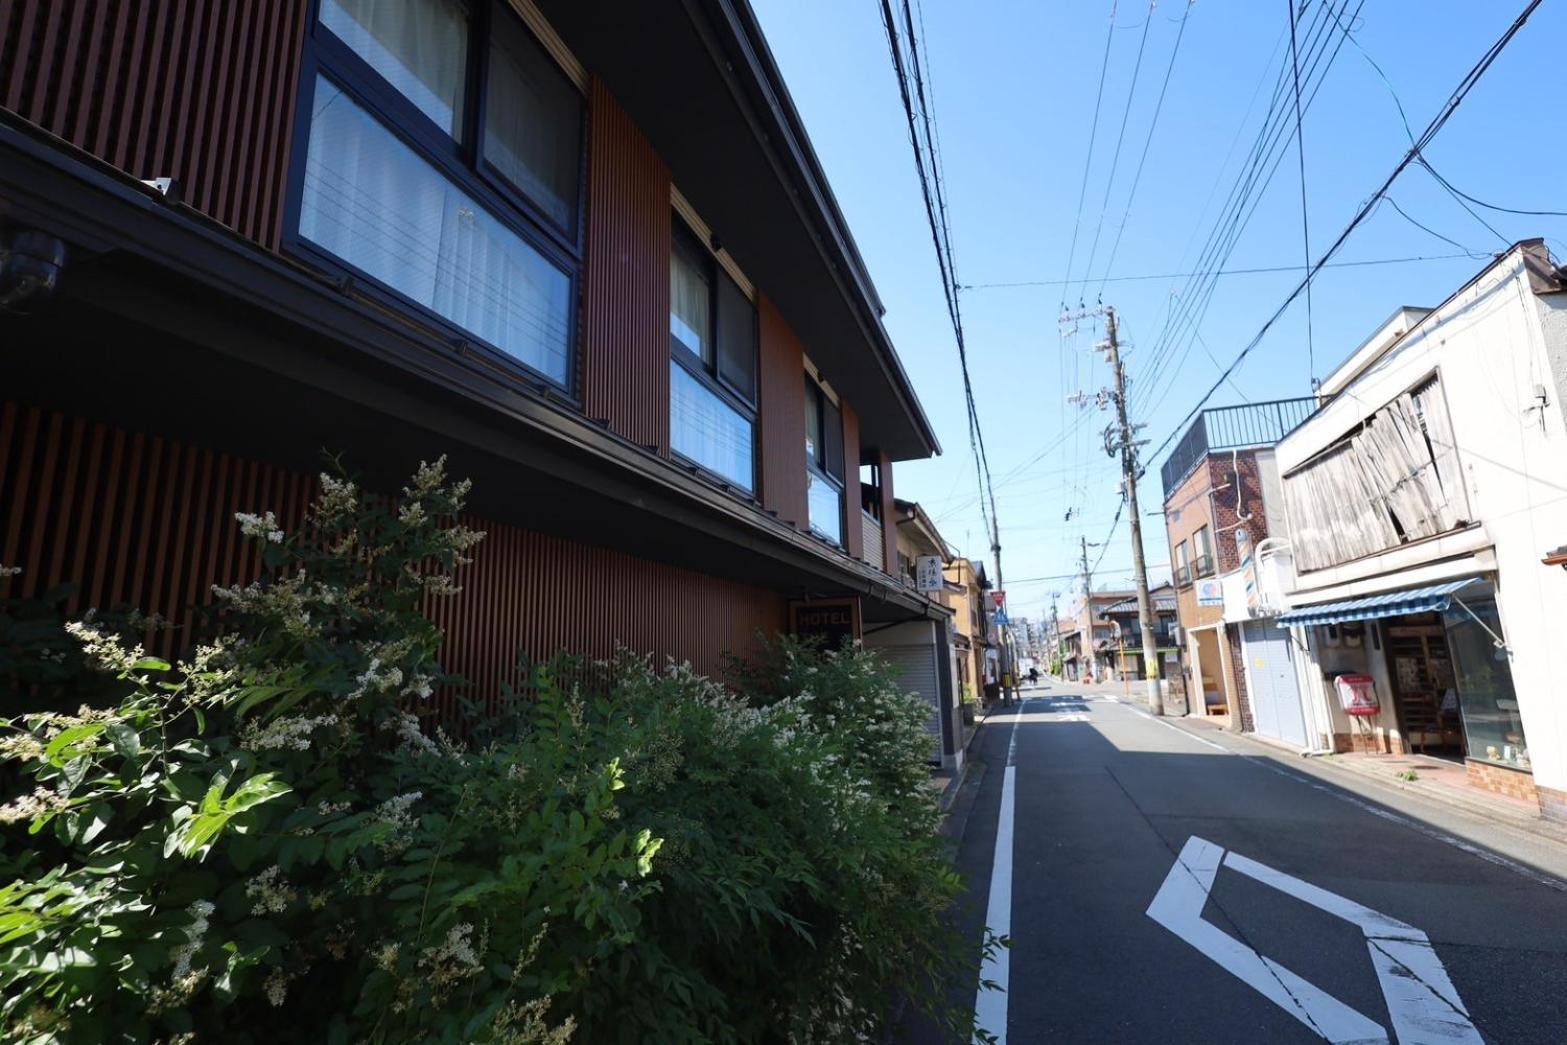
[782,420]
[854,521]
[190,89]
[140,521]
[889,514]
[626,284]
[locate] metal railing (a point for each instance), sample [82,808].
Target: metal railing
[1232,428]
[1203,567]
[1183,576]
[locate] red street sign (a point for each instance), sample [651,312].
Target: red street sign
[1000,597]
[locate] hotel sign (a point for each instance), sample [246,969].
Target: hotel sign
[831,620]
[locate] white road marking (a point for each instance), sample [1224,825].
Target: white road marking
[1421,1000]
[990,1006]
[1178,907]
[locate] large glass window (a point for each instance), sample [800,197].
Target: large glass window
[447,175]
[824,463]
[420,47]
[1483,678]
[712,344]
[372,201]
[707,430]
[826,505]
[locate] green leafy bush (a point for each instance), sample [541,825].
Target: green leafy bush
[264,842]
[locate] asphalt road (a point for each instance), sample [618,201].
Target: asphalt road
[1167,886]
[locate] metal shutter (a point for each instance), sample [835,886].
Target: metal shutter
[916,668]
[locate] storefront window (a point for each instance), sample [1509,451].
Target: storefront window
[1484,680]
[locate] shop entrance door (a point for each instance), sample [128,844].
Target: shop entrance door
[1425,698]
[1270,677]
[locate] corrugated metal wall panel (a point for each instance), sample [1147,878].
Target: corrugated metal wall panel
[626,285]
[854,530]
[202,92]
[138,520]
[782,420]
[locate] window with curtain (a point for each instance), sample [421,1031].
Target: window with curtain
[713,345]
[419,47]
[824,464]
[533,123]
[481,235]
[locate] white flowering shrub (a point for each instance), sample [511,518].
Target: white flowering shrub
[266,841]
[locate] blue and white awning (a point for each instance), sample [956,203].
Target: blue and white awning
[1388,604]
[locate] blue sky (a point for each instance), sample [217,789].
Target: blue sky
[1014,87]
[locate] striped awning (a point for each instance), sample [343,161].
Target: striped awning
[1388,604]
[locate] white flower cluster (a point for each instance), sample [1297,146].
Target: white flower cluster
[376,679]
[457,948]
[104,649]
[9,571]
[26,807]
[195,935]
[333,808]
[338,498]
[411,737]
[395,812]
[276,986]
[22,747]
[291,732]
[260,526]
[270,893]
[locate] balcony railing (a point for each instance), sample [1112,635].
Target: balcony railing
[1203,567]
[1232,428]
[1183,576]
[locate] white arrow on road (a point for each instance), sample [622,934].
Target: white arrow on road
[1421,999]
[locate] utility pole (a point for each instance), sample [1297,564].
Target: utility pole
[1127,446]
[1055,630]
[1003,631]
[1087,641]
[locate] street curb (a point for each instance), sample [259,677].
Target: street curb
[1518,821]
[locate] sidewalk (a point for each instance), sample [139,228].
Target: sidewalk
[1434,779]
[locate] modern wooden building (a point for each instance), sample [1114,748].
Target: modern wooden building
[584,249]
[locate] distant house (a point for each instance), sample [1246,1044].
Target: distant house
[1125,617]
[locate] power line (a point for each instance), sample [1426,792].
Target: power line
[1222,272]
[1153,124]
[1088,160]
[1432,129]
[1305,223]
[1120,139]
[1244,197]
[1427,229]
[1488,206]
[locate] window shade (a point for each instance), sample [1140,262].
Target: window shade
[533,123]
[736,338]
[420,47]
[832,439]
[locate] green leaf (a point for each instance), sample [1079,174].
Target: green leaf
[125,739]
[151,664]
[72,742]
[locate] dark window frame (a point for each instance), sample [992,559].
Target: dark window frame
[707,374]
[462,163]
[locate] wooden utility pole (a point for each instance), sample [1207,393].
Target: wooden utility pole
[1129,472]
[1087,641]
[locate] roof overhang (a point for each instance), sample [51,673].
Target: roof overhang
[699,80]
[220,341]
